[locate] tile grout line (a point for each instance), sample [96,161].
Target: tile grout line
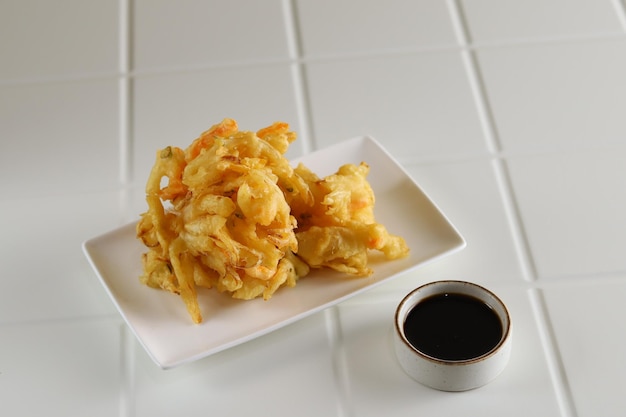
[331,315]
[488,124]
[123,104]
[520,240]
[620,10]
[298,75]
[339,364]
[127,374]
[326,58]
[556,366]
[383,53]
[127,365]
[124,89]
[475,82]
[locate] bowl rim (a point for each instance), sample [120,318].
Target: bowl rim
[405,306]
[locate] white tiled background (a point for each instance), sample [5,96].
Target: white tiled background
[510,114]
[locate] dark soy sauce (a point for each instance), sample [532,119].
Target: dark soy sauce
[453,327]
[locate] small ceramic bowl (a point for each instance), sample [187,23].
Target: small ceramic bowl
[452,335]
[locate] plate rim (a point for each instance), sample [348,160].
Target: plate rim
[89,246]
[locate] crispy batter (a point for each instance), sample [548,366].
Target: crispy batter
[230,212]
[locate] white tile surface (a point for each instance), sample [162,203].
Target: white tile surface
[179,34]
[288,372]
[63,368]
[58,138]
[350,26]
[174,109]
[467,192]
[572,206]
[43,39]
[552,95]
[417,105]
[379,386]
[588,331]
[46,276]
[90,90]
[497,20]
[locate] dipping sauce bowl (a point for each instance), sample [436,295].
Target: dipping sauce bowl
[452,335]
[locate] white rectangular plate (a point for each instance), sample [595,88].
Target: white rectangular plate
[161,323]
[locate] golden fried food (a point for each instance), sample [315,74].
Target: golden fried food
[230,212]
